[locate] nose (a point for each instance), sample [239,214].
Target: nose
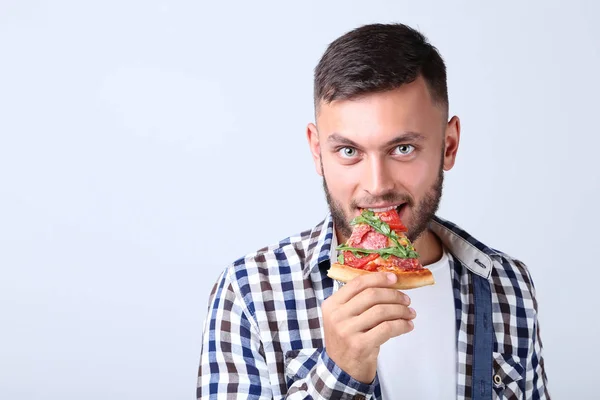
[378,179]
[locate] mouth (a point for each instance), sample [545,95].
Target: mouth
[383,208]
[400,209]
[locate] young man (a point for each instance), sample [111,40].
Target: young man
[278,326]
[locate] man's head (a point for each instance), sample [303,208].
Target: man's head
[382,136]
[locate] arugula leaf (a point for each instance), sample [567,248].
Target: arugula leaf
[385,229]
[400,252]
[341,258]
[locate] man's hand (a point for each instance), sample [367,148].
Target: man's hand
[359,318]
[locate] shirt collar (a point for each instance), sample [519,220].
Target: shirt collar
[475,255]
[319,245]
[472,253]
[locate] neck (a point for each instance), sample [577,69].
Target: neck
[429,247]
[340,238]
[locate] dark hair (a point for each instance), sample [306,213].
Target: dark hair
[376,58]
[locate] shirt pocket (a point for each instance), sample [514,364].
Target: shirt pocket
[298,363]
[508,379]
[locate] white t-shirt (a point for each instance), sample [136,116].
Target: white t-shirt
[422,363]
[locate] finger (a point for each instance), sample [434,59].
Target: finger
[386,330]
[362,282]
[373,296]
[380,313]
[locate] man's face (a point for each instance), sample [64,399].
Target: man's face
[384,150]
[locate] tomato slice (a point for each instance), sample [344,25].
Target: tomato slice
[355,262]
[371,266]
[392,218]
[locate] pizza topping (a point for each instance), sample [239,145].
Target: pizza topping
[378,243]
[370,218]
[357,234]
[364,236]
[374,240]
[390,264]
[393,220]
[374,244]
[357,261]
[404,264]
[398,251]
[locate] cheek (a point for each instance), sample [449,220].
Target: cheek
[418,177]
[342,180]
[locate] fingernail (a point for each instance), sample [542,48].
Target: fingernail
[406,299]
[412,311]
[391,277]
[411,324]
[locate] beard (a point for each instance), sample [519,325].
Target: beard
[422,212]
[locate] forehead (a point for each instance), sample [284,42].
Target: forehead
[377,117]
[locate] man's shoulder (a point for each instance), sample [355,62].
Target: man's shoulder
[512,271]
[506,269]
[292,255]
[262,277]
[282,249]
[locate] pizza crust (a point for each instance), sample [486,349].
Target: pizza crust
[406,279]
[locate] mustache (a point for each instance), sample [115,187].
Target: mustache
[389,197]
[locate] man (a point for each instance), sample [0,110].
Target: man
[278,327]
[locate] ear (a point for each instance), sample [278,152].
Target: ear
[452,139]
[315,147]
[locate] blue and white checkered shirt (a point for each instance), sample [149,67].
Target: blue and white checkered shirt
[263,336]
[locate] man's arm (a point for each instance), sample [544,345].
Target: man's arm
[233,358]
[535,374]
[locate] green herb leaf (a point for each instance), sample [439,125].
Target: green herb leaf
[385,229]
[341,258]
[398,251]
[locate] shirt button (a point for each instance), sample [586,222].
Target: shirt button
[497,379]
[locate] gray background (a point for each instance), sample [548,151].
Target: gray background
[146,144]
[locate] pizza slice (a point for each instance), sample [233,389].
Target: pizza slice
[379,243]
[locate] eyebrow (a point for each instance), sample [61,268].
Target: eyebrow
[409,136]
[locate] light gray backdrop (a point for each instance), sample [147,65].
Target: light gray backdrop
[146,144]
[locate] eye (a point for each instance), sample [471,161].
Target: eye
[404,149]
[347,152]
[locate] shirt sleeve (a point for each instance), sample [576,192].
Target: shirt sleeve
[537,381]
[328,381]
[233,363]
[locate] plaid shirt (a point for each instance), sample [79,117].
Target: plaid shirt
[263,335]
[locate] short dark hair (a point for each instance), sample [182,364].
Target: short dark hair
[376,58]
